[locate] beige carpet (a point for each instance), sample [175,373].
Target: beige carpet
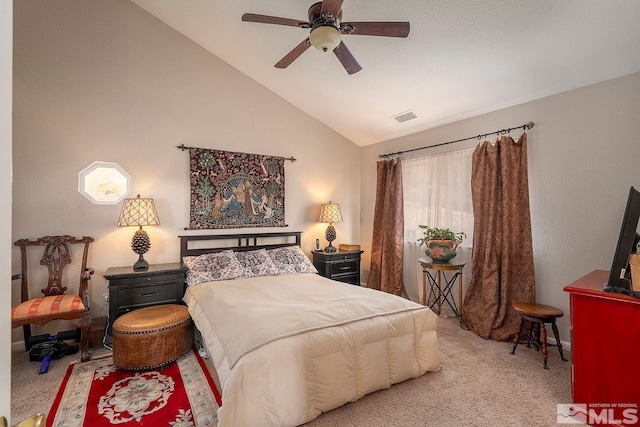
[32,393]
[480,384]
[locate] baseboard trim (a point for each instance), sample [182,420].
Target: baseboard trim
[566,346]
[17,346]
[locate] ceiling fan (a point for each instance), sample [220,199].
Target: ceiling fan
[325,22]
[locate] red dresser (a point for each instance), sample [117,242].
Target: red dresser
[605,343]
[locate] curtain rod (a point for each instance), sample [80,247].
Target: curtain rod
[501,131]
[291,159]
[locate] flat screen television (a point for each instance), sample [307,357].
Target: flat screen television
[619,277]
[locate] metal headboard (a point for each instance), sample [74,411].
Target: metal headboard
[208,243]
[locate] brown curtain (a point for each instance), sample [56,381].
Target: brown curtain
[387,244]
[502,259]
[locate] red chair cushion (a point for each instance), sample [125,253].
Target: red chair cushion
[47,305]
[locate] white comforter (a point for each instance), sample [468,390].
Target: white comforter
[290,347]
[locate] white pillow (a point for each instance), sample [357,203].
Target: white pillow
[256,263]
[290,260]
[214,266]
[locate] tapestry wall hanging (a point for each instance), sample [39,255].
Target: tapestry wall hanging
[235,190]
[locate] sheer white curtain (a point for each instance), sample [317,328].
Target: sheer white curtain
[437,192]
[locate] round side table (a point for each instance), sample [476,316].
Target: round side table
[433,273]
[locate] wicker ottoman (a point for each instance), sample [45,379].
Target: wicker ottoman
[151,337]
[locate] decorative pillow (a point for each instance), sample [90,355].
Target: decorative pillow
[291,259]
[256,263]
[197,277]
[217,266]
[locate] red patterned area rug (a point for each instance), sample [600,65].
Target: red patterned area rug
[96,394]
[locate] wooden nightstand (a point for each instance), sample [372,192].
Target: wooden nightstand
[128,289]
[341,266]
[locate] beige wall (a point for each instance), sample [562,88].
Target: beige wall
[584,154]
[6,29]
[104,80]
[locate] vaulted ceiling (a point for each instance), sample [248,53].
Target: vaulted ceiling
[461,58]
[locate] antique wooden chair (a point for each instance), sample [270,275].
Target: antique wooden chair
[54,304]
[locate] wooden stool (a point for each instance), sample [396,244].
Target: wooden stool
[538,314]
[152,337]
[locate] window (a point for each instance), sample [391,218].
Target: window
[104,183]
[437,192]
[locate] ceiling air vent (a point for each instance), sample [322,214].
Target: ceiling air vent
[403,117]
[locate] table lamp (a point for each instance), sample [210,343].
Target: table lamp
[330,213]
[139,212]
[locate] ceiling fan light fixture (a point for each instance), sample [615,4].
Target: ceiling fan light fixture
[325,38]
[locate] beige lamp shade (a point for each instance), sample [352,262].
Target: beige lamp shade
[330,213]
[138,212]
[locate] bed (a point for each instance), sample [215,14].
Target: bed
[289,344]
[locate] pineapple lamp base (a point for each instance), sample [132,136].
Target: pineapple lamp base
[141,264]
[140,244]
[330,235]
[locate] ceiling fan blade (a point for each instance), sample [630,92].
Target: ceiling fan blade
[331,6]
[346,59]
[265,19]
[294,54]
[385,29]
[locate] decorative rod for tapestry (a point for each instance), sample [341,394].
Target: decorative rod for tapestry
[498,132]
[291,159]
